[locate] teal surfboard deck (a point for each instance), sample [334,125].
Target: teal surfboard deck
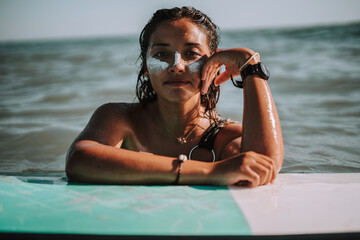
[45,205]
[314,205]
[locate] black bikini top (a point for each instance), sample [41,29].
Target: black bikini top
[208,139]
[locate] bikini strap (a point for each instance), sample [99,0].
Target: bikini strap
[208,139]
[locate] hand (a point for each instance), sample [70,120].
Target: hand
[233,59]
[249,168]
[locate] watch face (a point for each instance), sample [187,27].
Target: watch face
[265,70]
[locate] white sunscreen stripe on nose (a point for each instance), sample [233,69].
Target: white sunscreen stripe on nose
[176,58]
[154,64]
[196,66]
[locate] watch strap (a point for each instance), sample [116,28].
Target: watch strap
[250,70]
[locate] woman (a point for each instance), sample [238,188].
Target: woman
[149,142]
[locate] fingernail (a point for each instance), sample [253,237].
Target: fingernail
[244,183]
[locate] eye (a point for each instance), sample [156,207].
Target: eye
[192,53]
[160,54]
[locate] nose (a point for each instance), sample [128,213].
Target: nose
[178,65]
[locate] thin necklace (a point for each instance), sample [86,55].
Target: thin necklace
[183,140]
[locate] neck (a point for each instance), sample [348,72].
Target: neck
[179,118]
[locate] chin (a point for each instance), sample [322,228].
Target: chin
[183,97]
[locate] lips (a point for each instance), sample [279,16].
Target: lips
[180,82]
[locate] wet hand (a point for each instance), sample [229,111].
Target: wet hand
[231,58]
[249,168]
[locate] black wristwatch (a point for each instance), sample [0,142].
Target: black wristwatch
[260,69]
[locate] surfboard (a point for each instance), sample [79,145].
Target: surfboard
[296,205]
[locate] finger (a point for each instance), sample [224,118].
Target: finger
[272,181]
[274,175]
[209,63]
[268,159]
[269,168]
[211,73]
[206,82]
[252,177]
[223,77]
[261,164]
[263,172]
[271,165]
[242,183]
[204,70]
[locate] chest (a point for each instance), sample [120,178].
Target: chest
[157,141]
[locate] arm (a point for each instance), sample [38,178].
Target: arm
[96,156]
[261,121]
[261,132]
[92,162]
[89,161]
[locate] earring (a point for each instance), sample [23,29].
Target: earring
[146,78]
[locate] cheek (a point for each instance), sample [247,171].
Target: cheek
[195,67]
[155,66]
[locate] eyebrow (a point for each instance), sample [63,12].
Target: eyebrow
[160,45]
[166,44]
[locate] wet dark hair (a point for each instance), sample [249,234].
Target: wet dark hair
[144,90]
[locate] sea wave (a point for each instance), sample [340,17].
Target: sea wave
[49,90]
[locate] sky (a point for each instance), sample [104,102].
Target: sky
[59,19]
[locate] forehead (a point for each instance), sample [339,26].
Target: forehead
[179,30]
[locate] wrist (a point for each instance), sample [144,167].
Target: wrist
[251,60]
[248,55]
[214,175]
[196,172]
[258,69]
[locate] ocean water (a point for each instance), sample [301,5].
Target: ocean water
[49,89]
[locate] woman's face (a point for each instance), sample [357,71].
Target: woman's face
[176,52]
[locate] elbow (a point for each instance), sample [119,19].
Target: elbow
[75,160]
[278,158]
[70,168]
[72,161]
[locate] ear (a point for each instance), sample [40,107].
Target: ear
[146,73]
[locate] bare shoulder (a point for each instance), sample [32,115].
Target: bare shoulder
[115,112]
[113,108]
[109,123]
[232,128]
[230,137]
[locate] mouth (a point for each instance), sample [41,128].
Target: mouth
[177,83]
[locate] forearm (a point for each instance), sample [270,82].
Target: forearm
[89,161]
[261,124]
